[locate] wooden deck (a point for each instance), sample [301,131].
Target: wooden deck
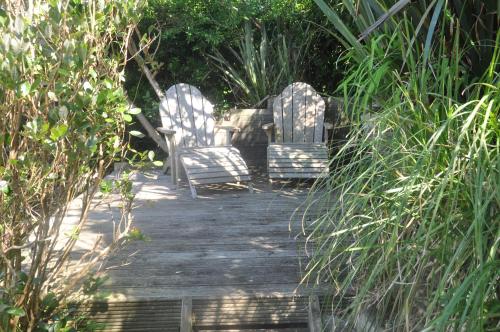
[235,255]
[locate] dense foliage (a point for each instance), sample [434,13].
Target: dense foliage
[411,232]
[191,31]
[62,122]
[412,229]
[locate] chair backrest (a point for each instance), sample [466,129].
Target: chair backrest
[185,110]
[299,114]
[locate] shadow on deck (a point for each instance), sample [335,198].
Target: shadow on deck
[227,260]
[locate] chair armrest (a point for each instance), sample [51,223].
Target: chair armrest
[169,136]
[228,128]
[268,126]
[328,126]
[166,131]
[172,153]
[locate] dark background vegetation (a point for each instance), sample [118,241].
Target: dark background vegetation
[188,31]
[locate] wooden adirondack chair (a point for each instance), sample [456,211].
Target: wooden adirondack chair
[299,149]
[188,125]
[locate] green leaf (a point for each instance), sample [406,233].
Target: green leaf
[134,110]
[4,187]
[151,155]
[390,13]
[25,89]
[52,96]
[32,126]
[50,302]
[87,86]
[92,143]
[137,235]
[158,163]
[108,84]
[341,26]
[137,133]
[58,131]
[127,117]
[432,27]
[15,311]
[106,186]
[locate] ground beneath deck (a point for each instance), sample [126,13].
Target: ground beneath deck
[228,242]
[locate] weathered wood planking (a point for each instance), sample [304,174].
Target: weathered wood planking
[310,115]
[198,314]
[210,313]
[229,251]
[214,165]
[235,232]
[298,114]
[300,150]
[161,315]
[186,111]
[188,123]
[297,160]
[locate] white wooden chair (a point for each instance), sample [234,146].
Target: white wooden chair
[299,149]
[188,125]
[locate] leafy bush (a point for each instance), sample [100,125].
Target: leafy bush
[189,30]
[412,228]
[63,116]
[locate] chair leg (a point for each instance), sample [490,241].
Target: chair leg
[173,169]
[167,166]
[177,170]
[193,190]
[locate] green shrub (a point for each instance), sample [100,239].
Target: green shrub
[190,30]
[63,116]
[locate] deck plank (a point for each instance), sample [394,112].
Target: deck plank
[228,243]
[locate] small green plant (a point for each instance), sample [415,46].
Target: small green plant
[257,70]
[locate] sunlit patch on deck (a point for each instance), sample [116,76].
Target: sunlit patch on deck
[228,243]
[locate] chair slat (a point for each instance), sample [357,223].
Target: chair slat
[175,115]
[319,118]
[287,106]
[310,120]
[278,118]
[186,115]
[218,168]
[198,116]
[210,175]
[223,179]
[299,111]
[295,175]
[208,110]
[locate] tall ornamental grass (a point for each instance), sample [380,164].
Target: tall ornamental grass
[411,230]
